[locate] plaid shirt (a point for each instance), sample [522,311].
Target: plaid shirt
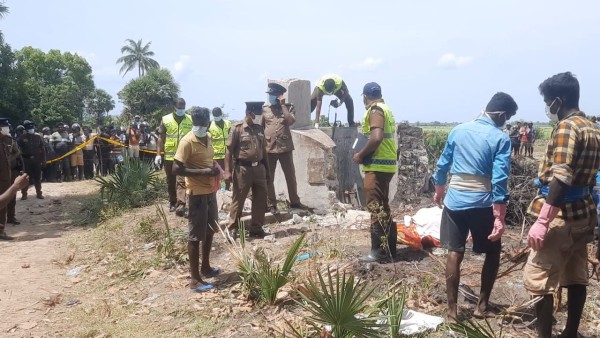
[573,157]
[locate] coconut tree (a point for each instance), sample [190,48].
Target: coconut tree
[138,55]
[3,12]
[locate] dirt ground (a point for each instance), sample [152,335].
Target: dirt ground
[117,278]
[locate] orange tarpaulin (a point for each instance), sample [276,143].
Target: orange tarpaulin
[408,235]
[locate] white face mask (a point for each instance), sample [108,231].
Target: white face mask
[30,131]
[257,119]
[551,117]
[5,130]
[180,112]
[199,131]
[218,118]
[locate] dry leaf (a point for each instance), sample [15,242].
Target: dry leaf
[28,325]
[25,266]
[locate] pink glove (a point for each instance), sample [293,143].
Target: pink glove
[499,215]
[538,230]
[217,183]
[440,192]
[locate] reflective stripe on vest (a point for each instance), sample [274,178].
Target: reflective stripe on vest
[384,157]
[336,78]
[174,132]
[219,138]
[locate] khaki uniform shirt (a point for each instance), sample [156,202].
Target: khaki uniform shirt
[196,155]
[277,130]
[14,154]
[4,165]
[246,142]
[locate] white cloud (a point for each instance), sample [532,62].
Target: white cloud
[368,63]
[450,60]
[180,65]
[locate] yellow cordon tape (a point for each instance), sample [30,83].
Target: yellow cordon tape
[84,144]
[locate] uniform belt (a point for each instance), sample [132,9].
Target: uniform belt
[244,163]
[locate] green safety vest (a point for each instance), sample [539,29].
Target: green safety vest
[174,132]
[384,159]
[336,78]
[219,138]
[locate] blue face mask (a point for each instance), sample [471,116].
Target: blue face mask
[180,112]
[200,131]
[273,99]
[218,118]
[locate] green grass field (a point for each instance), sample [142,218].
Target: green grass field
[543,130]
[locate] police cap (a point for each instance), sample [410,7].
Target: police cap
[276,89]
[254,106]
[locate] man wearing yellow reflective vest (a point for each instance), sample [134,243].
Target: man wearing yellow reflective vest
[332,85]
[173,127]
[219,131]
[379,164]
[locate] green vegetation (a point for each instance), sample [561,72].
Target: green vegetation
[137,55]
[133,184]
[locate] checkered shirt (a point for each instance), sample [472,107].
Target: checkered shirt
[573,157]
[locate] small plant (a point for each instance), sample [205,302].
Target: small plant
[392,309]
[133,184]
[339,302]
[270,278]
[435,142]
[474,329]
[167,247]
[146,231]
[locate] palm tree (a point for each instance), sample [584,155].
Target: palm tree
[137,55]
[3,12]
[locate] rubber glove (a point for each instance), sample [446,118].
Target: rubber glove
[438,197]
[158,160]
[538,230]
[499,222]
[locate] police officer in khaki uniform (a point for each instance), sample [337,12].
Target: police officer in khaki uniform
[16,166]
[278,117]
[34,157]
[5,172]
[246,165]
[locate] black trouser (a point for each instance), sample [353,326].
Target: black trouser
[88,163]
[347,100]
[49,172]
[33,168]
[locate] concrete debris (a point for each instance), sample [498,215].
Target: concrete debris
[297,219]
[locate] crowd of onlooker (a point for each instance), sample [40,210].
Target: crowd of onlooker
[522,137]
[69,156]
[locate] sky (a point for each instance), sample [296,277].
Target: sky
[435,60]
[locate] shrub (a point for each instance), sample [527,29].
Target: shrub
[434,141]
[134,183]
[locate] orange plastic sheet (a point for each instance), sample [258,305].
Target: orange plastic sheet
[408,235]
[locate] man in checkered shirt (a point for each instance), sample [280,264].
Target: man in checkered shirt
[565,210]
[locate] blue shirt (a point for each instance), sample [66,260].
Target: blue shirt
[480,148]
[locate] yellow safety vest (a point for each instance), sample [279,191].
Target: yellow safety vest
[174,132]
[384,159]
[336,78]
[219,138]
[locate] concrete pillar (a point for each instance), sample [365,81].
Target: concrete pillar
[298,94]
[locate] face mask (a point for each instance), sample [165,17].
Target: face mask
[199,131]
[551,117]
[257,119]
[273,100]
[180,112]
[30,131]
[6,130]
[218,118]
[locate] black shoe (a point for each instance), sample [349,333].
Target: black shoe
[258,233]
[273,210]
[373,257]
[352,124]
[299,206]
[172,207]
[180,211]
[5,237]
[13,221]
[40,196]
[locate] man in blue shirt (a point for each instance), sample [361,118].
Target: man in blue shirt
[477,156]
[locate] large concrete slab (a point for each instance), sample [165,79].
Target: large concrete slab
[316,171]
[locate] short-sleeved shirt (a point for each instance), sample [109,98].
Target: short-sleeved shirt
[277,130]
[246,142]
[196,155]
[572,157]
